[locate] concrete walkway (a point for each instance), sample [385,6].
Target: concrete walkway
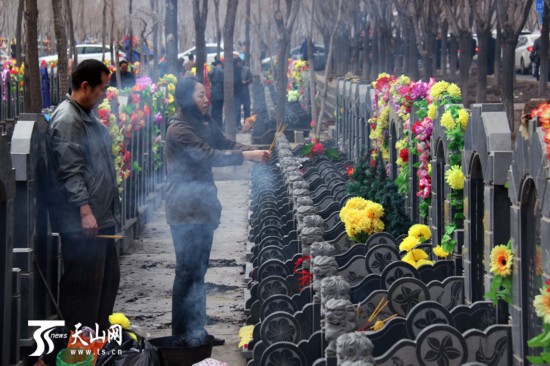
[147,270]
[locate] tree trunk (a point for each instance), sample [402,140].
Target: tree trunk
[130,32]
[247,35]
[282,78]
[412,52]
[453,48]
[444,48]
[543,72]
[312,89]
[228,92]
[498,57]
[482,56]
[507,85]
[103,30]
[154,9]
[325,85]
[61,48]
[375,60]
[31,66]
[200,16]
[366,54]
[112,32]
[171,36]
[428,56]
[72,39]
[465,60]
[19,31]
[218,27]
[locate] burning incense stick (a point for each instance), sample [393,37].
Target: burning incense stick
[110,236]
[276,137]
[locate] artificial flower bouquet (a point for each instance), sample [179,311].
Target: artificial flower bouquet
[362,218]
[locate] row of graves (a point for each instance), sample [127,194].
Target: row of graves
[30,254]
[421,240]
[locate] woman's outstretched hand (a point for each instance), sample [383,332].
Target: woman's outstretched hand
[258,156]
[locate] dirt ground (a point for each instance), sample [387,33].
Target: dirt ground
[147,271]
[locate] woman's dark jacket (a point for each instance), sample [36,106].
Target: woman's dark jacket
[192,149]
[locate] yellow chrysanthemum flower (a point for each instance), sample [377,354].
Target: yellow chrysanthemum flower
[408,243]
[120,319]
[454,91]
[378,325]
[403,79]
[501,260]
[171,88]
[463,116]
[401,144]
[455,177]
[447,121]
[438,88]
[432,112]
[424,262]
[384,117]
[385,153]
[440,252]
[542,305]
[420,231]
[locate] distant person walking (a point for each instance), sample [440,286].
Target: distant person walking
[45,85]
[238,89]
[127,78]
[189,64]
[216,92]
[246,77]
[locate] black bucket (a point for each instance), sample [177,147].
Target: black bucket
[181,356]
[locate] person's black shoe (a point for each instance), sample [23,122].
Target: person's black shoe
[218,341]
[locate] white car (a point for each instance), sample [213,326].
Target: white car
[211,52]
[86,52]
[4,56]
[523,49]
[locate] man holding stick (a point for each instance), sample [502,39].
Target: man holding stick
[84,200]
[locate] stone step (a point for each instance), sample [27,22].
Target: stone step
[246,298]
[249,245]
[247,272]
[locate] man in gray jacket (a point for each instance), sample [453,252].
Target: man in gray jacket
[84,200]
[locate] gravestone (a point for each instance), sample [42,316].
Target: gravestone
[485,163]
[530,233]
[7,197]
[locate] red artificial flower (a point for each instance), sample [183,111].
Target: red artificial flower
[404,154]
[147,110]
[135,98]
[349,170]
[318,148]
[127,157]
[372,163]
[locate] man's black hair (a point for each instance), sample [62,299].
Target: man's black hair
[122,62]
[90,71]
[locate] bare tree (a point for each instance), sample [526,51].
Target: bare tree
[200,15]
[512,15]
[70,24]
[171,34]
[459,15]
[154,7]
[483,13]
[218,27]
[228,92]
[31,21]
[247,34]
[329,57]
[104,30]
[284,28]
[61,48]
[19,32]
[381,13]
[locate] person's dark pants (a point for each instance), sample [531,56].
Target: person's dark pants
[192,244]
[246,102]
[89,284]
[217,111]
[238,102]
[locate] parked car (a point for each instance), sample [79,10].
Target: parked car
[319,57]
[86,52]
[523,49]
[211,52]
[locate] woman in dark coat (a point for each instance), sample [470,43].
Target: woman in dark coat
[195,144]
